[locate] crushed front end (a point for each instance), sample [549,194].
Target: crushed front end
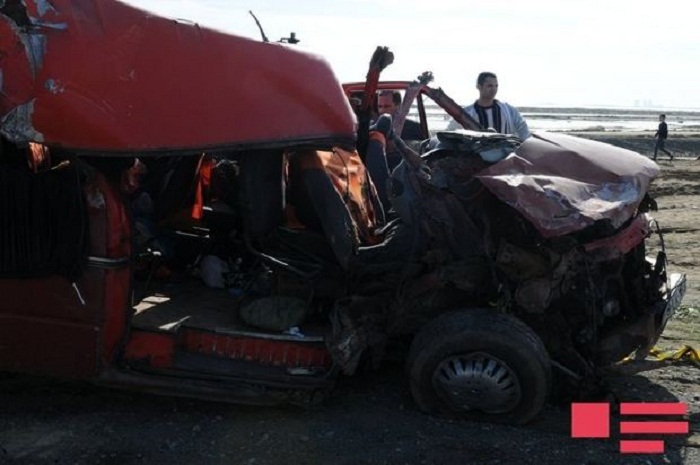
[602,301]
[566,243]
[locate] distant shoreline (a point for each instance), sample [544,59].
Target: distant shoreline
[579,119]
[683,144]
[687,112]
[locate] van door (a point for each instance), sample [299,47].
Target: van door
[64,271]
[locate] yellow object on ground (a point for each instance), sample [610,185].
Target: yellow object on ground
[686,352]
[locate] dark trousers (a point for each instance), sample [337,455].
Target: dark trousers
[660,145]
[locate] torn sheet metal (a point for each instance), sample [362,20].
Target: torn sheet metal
[105,76]
[563,184]
[43,9]
[16,84]
[15,66]
[16,125]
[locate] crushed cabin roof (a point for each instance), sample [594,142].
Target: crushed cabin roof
[99,75]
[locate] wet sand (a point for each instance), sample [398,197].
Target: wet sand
[683,144]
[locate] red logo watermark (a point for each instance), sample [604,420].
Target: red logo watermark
[592,420]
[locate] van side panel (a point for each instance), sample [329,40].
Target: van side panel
[52,326]
[110,249]
[116,311]
[45,328]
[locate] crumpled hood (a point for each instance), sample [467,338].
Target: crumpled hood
[563,184]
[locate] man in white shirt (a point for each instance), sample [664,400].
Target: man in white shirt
[492,113]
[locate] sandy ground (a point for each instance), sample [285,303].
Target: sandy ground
[685,144]
[370,419]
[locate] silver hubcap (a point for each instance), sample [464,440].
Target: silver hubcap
[477,381]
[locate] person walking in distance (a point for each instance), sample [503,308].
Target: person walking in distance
[661,136]
[491,113]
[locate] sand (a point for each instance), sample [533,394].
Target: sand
[685,144]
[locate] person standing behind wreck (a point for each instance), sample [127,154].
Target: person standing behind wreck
[388,102]
[492,113]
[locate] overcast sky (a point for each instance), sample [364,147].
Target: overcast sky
[576,52]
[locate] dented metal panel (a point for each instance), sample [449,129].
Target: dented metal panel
[563,184]
[16,102]
[104,76]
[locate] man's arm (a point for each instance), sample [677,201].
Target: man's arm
[376,157]
[519,125]
[469,114]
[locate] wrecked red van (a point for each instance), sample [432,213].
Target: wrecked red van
[184,212]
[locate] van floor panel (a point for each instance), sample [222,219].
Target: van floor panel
[169,306]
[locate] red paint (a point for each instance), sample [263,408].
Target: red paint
[649,427]
[116,78]
[156,349]
[110,237]
[598,182]
[265,351]
[117,288]
[590,420]
[641,447]
[653,408]
[622,242]
[117,303]
[44,328]
[17,85]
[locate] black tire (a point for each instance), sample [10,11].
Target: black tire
[460,357]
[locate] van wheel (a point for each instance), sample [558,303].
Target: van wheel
[481,365]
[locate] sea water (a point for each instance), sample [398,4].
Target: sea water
[585,119]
